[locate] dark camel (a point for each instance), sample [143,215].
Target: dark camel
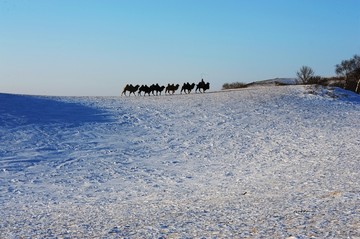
[130,88]
[187,87]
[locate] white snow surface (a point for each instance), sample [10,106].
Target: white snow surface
[266,162]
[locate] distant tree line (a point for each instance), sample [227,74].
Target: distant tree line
[235,85]
[347,76]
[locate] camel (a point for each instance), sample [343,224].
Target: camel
[172,88]
[152,89]
[202,85]
[130,88]
[144,88]
[158,89]
[187,87]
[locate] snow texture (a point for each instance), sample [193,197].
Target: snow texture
[265,162]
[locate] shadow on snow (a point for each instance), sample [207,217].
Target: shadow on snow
[18,110]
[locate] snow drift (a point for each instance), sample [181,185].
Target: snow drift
[267,162]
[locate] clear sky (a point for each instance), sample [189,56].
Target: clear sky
[88,47]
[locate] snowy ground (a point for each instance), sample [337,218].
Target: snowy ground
[266,162]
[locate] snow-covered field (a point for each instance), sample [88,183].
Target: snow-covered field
[266,162]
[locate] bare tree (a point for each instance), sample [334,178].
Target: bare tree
[356,72]
[344,69]
[305,74]
[350,70]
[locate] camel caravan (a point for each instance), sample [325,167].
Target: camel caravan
[156,89]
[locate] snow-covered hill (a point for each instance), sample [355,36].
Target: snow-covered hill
[267,162]
[275,81]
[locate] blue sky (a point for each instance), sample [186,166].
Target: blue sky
[84,47]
